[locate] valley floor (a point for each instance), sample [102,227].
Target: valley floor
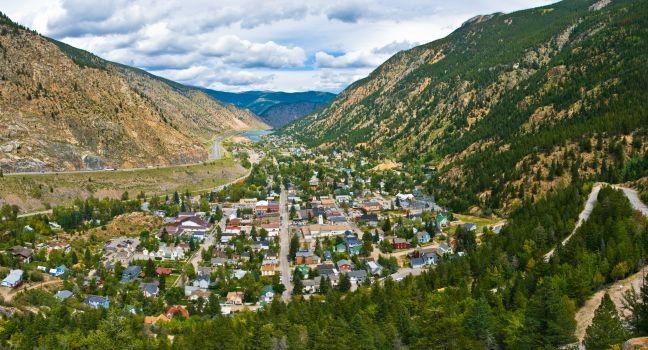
[34,192]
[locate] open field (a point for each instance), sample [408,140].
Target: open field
[33,192]
[479,221]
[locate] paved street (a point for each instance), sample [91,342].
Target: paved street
[284,241]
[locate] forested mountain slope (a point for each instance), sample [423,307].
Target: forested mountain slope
[62,108]
[508,105]
[275,108]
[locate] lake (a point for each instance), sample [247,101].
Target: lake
[255,135]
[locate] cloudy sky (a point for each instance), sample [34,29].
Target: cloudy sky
[252,44]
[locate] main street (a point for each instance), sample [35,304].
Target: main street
[284,241]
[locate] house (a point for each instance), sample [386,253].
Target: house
[313,183]
[344,265]
[327,270]
[238,273]
[131,273]
[218,261]
[304,270]
[59,271]
[22,254]
[423,237]
[63,295]
[271,255]
[441,221]
[268,270]
[235,298]
[267,295]
[150,289]
[369,219]
[469,227]
[338,219]
[58,245]
[497,228]
[151,320]
[97,301]
[304,257]
[373,268]
[13,279]
[324,230]
[430,258]
[417,263]
[400,243]
[199,293]
[311,285]
[371,207]
[198,235]
[343,199]
[163,271]
[204,271]
[202,282]
[357,276]
[260,245]
[176,310]
[443,249]
[353,244]
[328,256]
[186,224]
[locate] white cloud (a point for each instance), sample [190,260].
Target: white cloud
[394,46]
[352,59]
[237,51]
[252,44]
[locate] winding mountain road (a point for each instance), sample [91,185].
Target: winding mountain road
[633,198]
[582,217]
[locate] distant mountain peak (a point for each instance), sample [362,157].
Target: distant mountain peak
[277,108]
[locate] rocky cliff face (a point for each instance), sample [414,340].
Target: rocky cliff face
[63,109]
[507,104]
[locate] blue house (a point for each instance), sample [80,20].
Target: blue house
[97,301]
[469,226]
[423,237]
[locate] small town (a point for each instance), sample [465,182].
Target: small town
[300,225]
[343,174]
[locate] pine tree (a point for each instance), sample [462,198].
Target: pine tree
[325,285]
[637,306]
[550,317]
[606,328]
[345,283]
[162,282]
[150,268]
[298,289]
[479,321]
[213,308]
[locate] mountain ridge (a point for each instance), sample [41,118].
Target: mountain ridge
[506,106]
[67,109]
[277,108]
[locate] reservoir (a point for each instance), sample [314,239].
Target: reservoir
[255,135]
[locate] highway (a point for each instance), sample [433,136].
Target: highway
[216,149]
